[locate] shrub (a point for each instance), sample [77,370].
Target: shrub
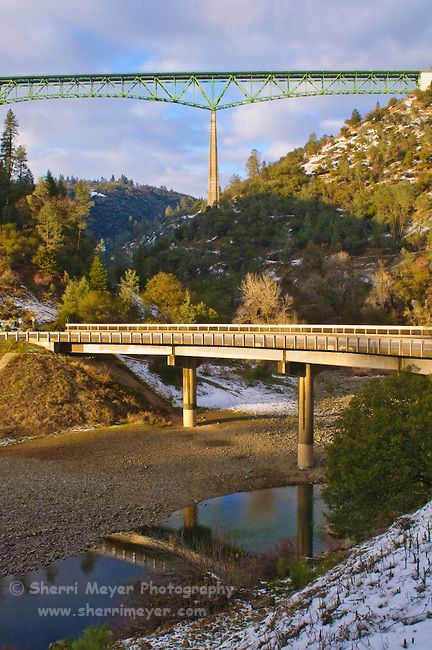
[380,460]
[97,638]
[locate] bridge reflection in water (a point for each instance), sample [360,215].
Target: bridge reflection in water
[254,522]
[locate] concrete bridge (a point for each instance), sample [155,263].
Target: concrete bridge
[298,350]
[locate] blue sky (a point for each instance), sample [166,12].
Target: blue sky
[168,145]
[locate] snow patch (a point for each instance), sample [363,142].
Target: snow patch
[220,387]
[42,311]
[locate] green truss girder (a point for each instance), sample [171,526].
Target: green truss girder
[209,90]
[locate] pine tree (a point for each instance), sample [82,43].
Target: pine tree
[355,118]
[129,288]
[7,154]
[61,188]
[21,161]
[49,226]
[83,206]
[7,146]
[98,277]
[51,184]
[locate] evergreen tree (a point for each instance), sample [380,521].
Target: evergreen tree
[24,177]
[61,188]
[7,155]
[355,118]
[83,206]
[21,162]
[51,184]
[49,226]
[380,458]
[129,288]
[191,313]
[235,186]
[98,277]
[7,146]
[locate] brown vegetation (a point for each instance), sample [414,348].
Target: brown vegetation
[43,393]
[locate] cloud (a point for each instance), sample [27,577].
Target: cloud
[163,144]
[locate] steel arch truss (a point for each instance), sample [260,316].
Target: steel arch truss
[208,90]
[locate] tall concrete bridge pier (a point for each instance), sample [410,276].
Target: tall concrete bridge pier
[213,179]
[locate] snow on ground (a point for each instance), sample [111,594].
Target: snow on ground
[220,387]
[380,598]
[27,302]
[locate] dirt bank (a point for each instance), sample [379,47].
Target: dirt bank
[43,393]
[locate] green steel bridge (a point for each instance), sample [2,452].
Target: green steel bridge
[212,91]
[209,90]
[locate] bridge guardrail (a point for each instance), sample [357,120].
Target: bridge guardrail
[386,330]
[402,346]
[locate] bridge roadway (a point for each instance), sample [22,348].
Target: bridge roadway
[299,350]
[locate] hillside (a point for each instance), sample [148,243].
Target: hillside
[340,203]
[123,211]
[79,393]
[52,231]
[342,224]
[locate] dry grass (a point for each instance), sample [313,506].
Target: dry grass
[45,393]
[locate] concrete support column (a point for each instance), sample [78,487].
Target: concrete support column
[306,419]
[213,179]
[189,394]
[305,520]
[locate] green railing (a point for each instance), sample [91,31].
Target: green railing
[209,90]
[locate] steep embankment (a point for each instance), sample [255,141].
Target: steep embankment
[19,302]
[43,393]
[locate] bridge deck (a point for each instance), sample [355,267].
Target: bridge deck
[389,348]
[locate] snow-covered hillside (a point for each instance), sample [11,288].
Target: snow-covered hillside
[406,118]
[25,302]
[380,598]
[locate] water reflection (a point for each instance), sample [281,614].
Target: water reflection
[305,520]
[257,520]
[22,626]
[253,521]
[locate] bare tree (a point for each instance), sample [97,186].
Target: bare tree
[382,291]
[263,302]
